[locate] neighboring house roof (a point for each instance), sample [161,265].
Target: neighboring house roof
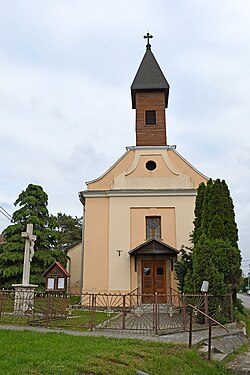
[149,77]
[60,266]
[153,247]
[74,247]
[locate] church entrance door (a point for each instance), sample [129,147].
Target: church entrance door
[153,277]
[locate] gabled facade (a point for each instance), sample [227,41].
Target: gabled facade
[140,212]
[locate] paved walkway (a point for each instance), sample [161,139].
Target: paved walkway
[179,338]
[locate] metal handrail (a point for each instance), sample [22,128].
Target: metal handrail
[207,316]
[210,320]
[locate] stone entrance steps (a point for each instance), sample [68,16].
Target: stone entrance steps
[223,345]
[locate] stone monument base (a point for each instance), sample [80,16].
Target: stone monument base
[24,298]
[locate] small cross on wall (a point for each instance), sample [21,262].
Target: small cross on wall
[148,36]
[119,251]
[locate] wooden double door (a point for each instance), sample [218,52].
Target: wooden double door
[154,276]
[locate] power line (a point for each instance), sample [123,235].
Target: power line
[1,212]
[5,213]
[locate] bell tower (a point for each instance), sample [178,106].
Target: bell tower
[149,92]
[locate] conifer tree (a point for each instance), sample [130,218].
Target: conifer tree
[198,212]
[205,213]
[216,256]
[32,208]
[218,218]
[230,224]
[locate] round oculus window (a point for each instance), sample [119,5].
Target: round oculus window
[151,165]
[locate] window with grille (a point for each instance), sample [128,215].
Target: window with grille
[153,227]
[150,117]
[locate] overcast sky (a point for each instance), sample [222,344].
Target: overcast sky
[65,110]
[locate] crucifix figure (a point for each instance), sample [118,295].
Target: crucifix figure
[28,252]
[148,36]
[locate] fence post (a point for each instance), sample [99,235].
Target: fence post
[184,311]
[155,310]
[48,311]
[93,305]
[209,339]
[206,308]
[123,311]
[190,328]
[1,305]
[231,307]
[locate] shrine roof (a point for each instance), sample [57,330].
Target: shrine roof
[58,265]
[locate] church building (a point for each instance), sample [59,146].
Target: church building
[140,212]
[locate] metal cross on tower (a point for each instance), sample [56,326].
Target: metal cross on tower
[148,36]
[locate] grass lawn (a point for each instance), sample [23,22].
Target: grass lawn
[33,353]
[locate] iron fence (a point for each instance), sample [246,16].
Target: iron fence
[158,313]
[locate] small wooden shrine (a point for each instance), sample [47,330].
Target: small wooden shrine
[56,278]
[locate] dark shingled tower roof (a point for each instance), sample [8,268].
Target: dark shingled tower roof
[149,77]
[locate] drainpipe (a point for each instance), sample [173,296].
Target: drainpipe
[82,199]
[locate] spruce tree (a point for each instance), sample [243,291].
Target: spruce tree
[32,208]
